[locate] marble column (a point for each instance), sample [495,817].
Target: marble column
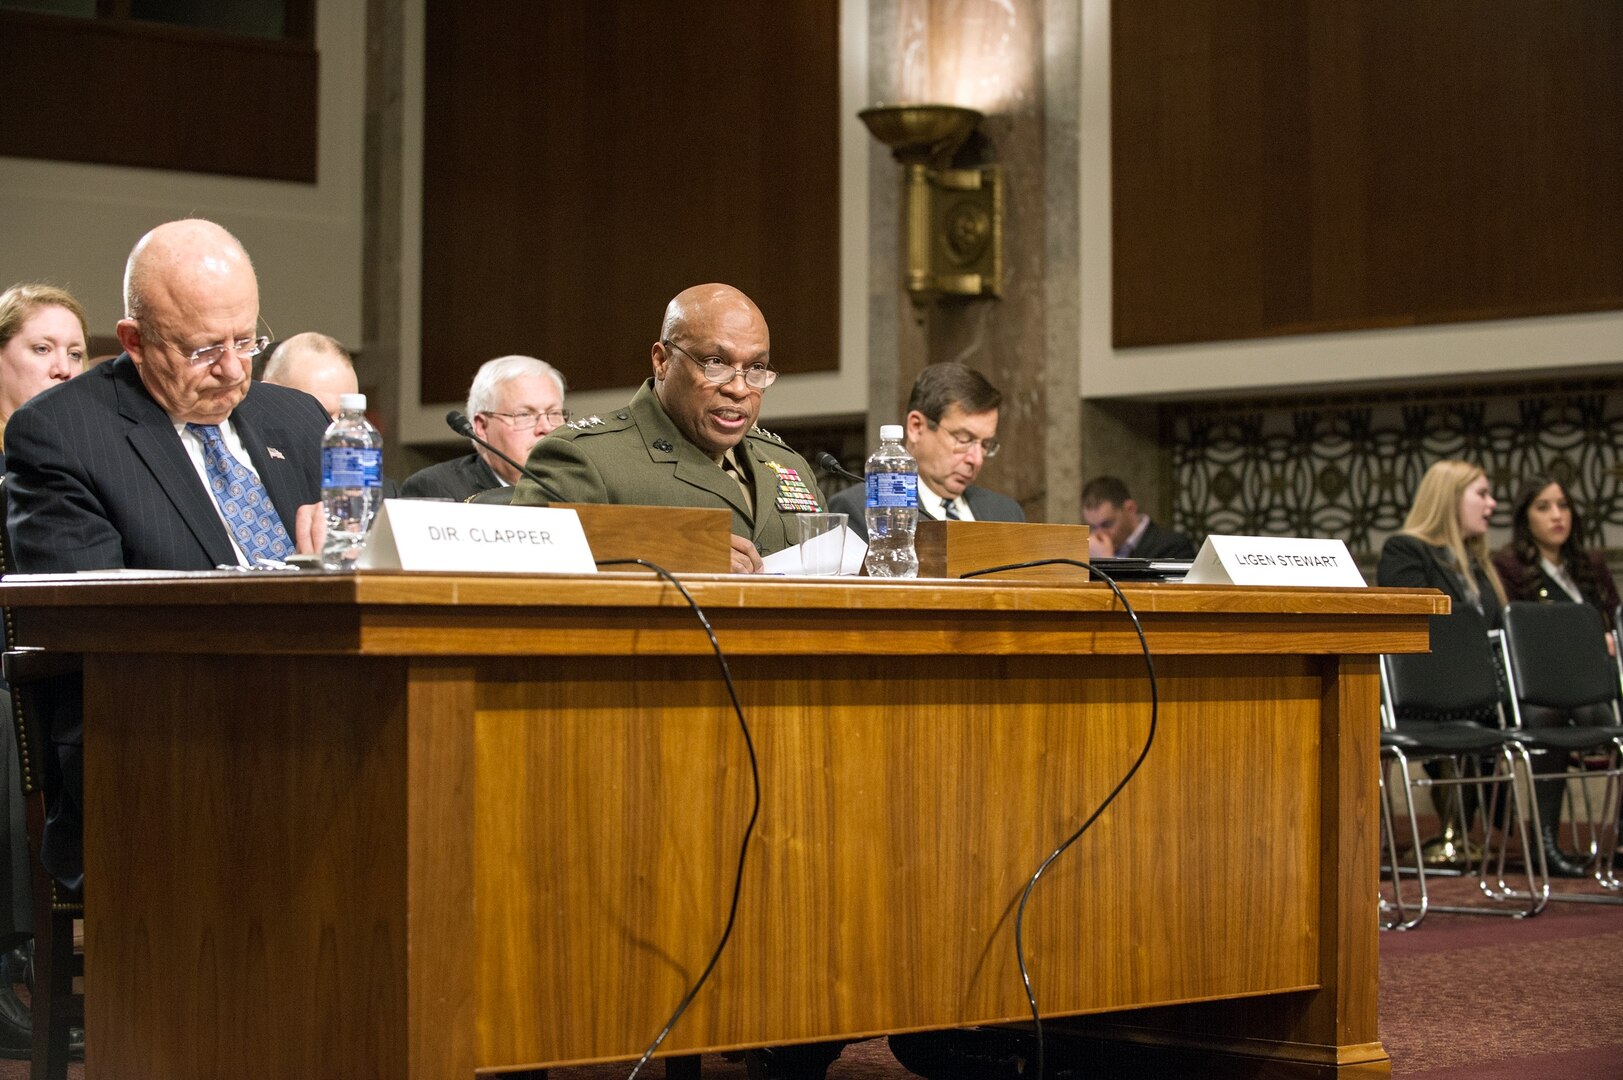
[1015,61]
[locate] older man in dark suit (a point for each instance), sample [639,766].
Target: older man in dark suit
[512,403]
[951,431]
[168,457]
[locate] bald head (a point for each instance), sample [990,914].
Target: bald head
[696,307]
[189,286]
[179,256]
[702,323]
[316,364]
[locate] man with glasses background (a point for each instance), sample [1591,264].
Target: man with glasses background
[688,437]
[168,457]
[951,430]
[512,402]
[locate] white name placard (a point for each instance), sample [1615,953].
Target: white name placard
[414,534]
[1274,560]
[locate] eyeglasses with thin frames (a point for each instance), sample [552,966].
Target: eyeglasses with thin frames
[720,372]
[522,420]
[963,444]
[209,355]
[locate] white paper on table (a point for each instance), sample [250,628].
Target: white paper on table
[787,561]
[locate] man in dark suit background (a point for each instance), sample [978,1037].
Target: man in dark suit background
[513,402]
[951,431]
[1120,531]
[168,457]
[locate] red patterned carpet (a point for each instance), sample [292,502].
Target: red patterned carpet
[1462,998]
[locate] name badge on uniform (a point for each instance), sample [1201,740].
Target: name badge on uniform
[793,495]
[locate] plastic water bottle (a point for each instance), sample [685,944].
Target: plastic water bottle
[893,507]
[351,482]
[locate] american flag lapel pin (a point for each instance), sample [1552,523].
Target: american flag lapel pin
[275,453]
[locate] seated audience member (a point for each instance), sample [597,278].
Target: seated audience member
[1120,531]
[1444,542]
[1444,545]
[167,457]
[688,437]
[322,368]
[514,401]
[1546,562]
[42,342]
[951,431]
[316,364]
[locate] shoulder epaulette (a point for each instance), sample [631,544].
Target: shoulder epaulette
[765,434]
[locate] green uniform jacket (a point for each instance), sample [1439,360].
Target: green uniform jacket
[638,456]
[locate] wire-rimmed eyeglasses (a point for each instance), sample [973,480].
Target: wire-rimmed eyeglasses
[720,372]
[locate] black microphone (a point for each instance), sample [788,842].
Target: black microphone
[464,427]
[830,463]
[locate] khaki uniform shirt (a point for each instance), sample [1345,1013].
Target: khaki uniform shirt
[638,456]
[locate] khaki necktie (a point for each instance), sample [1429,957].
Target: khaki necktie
[729,465]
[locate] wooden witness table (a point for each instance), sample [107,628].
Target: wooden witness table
[427,826]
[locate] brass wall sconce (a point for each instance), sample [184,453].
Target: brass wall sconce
[953,236]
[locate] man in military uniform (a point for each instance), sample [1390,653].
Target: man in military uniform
[688,437]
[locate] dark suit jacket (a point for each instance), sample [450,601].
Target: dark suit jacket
[1159,542]
[1409,562]
[457,479]
[98,477]
[985,505]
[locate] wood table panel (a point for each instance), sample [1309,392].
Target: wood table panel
[372,847]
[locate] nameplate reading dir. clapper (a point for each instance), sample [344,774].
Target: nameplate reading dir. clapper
[413,534]
[1274,560]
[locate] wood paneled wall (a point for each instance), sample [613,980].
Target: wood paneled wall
[1285,168]
[584,161]
[113,90]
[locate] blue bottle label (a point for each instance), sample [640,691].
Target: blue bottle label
[351,467]
[893,491]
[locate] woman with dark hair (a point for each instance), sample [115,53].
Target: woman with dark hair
[1545,561]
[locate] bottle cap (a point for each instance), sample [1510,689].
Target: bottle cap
[352,402]
[890,433]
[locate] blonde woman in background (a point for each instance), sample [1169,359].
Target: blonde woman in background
[42,342]
[1444,542]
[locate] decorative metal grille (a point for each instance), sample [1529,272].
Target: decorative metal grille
[1347,468]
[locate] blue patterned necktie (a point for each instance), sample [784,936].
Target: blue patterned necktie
[246,506]
[950,508]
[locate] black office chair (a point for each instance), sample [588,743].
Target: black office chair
[1559,677]
[1617,642]
[1444,706]
[55,1007]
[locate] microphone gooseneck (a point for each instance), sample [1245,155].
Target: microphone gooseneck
[830,463]
[460,424]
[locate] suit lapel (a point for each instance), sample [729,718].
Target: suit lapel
[155,442]
[692,466]
[763,477]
